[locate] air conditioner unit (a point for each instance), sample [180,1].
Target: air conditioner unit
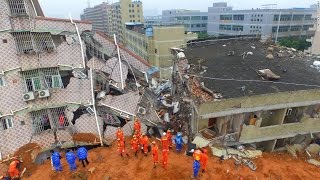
[82,75]
[90,111]
[124,115]
[142,110]
[28,96]
[289,111]
[44,93]
[114,84]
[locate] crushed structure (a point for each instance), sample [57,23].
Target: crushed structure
[54,73]
[239,97]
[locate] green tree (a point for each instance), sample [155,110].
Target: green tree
[297,43]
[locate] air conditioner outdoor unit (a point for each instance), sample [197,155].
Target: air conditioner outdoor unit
[90,111]
[142,110]
[82,75]
[124,115]
[114,84]
[44,93]
[28,96]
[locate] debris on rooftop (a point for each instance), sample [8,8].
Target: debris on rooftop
[267,74]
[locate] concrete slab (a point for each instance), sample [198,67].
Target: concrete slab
[219,151]
[313,149]
[200,142]
[314,162]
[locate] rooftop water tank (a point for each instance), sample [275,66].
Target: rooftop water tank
[149,32]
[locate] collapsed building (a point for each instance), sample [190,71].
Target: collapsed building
[58,78]
[246,92]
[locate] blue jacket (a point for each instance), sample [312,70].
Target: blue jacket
[55,158]
[196,165]
[178,140]
[71,158]
[82,153]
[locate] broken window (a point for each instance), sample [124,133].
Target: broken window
[17,7]
[5,123]
[39,79]
[45,119]
[31,42]
[2,83]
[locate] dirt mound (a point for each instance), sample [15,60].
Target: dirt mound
[85,137]
[28,153]
[108,163]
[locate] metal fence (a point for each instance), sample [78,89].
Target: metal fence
[39,79]
[45,119]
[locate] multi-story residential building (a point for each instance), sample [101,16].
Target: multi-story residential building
[154,43]
[125,11]
[52,72]
[224,21]
[99,16]
[152,20]
[193,20]
[315,40]
[237,101]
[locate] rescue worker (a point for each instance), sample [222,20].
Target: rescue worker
[71,159]
[196,162]
[169,136]
[155,154]
[204,160]
[55,159]
[121,148]
[120,134]
[164,141]
[179,142]
[82,154]
[141,142]
[14,169]
[165,158]
[135,145]
[145,143]
[137,126]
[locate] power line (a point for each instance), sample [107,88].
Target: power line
[257,81]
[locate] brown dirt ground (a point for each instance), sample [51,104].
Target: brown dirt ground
[26,156]
[108,163]
[85,137]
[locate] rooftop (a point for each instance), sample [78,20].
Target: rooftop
[233,76]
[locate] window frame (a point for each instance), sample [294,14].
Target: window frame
[6,123]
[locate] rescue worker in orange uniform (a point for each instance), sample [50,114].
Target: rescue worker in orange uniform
[204,160]
[120,134]
[135,145]
[14,169]
[164,141]
[155,154]
[169,136]
[141,142]
[165,153]
[121,148]
[197,155]
[196,163]
[145,144]
[137,126]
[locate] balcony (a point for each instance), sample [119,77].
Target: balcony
[252,134]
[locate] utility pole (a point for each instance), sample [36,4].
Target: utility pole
[278,27]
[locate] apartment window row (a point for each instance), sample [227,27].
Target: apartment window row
[17,7]
[6,123]
[196,25]
[255,27]
[281,28]
[292,28]
[257,15]
[46,119]
[255,31]
[237,28]
[132,5]
[225,27]
[31,42]
[239,17]
[225,17]
[289,17]
[256,19]
[39,79]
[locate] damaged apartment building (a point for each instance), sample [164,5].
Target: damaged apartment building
[248,92]
[52,71]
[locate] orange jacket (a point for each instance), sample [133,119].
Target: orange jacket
[13,170]
[137,126]
[120,135]
[169,136]
[204,160]
[197,155]
[135,144]
[165,143]
[145,142]
[155,149]
[121,146]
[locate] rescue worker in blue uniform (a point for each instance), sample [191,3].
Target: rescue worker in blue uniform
[71,159]
[179,142]
[82,154]
[55,159]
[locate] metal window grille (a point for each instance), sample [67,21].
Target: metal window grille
[39,79]
[45,119]
[2,82]
[31,42]
[17,7]
[6,123]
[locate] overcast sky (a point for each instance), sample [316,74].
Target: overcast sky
[61,8]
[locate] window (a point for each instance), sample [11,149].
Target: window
[17,7]
[132,5]
[2,82]
[47,78]
[204,25]
[276,18]
[284,28]
[285,17]
[133,10]
[297,17]
[27,42]
[308,17]
[237,28]
[198,25]
[195,18]
[129,10]
[138,5]
[224,27]
[129,5]
[307,27]
[204,17]
[225,17]
[295,28]
[45,119]
[5,123]
[156,51]
[238,17]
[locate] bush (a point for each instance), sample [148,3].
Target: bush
[297,43]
